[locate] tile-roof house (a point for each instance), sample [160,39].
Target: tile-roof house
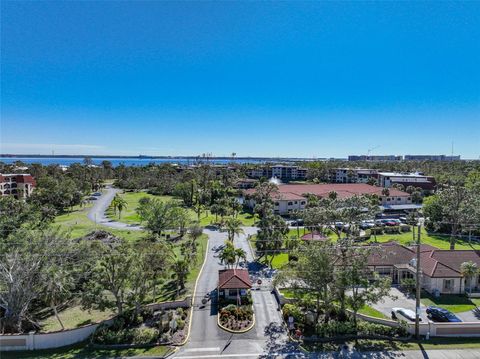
[441,269]
[232,282]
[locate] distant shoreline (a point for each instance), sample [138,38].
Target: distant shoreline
[164,157]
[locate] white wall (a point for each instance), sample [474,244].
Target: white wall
[33,341]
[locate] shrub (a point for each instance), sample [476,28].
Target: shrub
[334,328]
[179,311]
[367,328]
[180,324]
[294,311]
[144,335]
[376,230]
[392,230]
[405,228]
[408,284]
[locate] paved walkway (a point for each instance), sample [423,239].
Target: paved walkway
[97,212]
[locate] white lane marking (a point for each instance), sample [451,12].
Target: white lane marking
[216,349]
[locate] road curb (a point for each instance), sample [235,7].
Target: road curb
[193,296]
[236,331]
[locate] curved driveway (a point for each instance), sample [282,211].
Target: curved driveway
[97,212]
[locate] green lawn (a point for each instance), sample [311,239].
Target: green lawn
[79,225]
[129,215]
[74,317]
[435,240]
[453,303]
[368,310]
[82,352]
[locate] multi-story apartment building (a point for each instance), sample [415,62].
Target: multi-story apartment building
[282,172]
[374,158]
[381,178]
[18,185]
[351,175]
[388,179]
[431,158]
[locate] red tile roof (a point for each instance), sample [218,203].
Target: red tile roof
[234,279]
[434,262]
[344,190]
[389,254]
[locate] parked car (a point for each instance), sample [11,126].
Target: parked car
[387,222]
[403,314]
[341,225]
[438,314]
[97,194]
[298,222]
[369,223]
[403,219]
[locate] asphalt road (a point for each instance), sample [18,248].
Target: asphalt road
[97,212]
[207,340]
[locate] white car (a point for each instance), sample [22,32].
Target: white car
[404,314]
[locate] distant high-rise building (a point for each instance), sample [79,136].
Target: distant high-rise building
[431,158]
[374,158]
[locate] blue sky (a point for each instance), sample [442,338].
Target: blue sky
[256,78]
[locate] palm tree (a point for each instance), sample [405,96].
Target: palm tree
[240,254]
[228,255]
[233,227]
[180,273]
[469,270]
[119,204]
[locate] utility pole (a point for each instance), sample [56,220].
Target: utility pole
[417,283]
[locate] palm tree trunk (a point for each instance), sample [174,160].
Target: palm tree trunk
[54,308]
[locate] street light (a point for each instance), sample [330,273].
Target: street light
[417,284]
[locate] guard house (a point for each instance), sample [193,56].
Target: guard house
[233,282]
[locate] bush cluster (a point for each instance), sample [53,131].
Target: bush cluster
[335,329]
[238,313]
[108,336]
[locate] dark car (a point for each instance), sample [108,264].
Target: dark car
[438,314]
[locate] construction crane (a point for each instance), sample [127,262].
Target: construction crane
[371,149]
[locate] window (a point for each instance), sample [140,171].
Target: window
[447,285]
[290,203]
[303,202]
[277,204]
[296,202]
[384,271]
[399,199]
[388,199]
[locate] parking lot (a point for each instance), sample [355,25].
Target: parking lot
[408,302]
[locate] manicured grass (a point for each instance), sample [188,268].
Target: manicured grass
[129,215]
[453,303]
[368,310]
[81,351]
[74,317]
[435,240]
[79,225]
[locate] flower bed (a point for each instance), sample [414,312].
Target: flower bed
[160,327]
[236,318]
